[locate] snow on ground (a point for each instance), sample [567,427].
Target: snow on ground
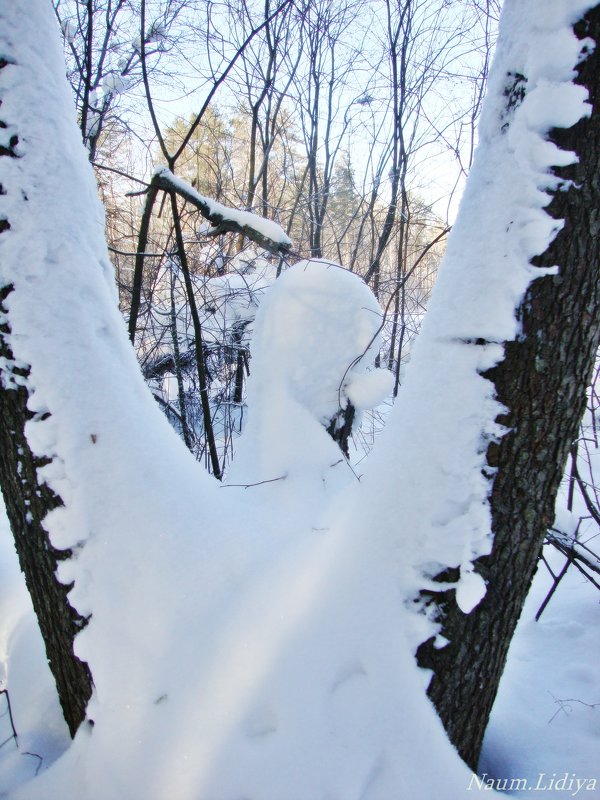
[546,720]
[540,724]
[36,711]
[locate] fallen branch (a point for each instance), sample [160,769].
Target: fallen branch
[574,549]
[249,485]
[264,232]
[565,707]
[576,553]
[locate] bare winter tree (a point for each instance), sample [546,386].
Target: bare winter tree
[326,89]
[268,69]
[105,48]
[278,60]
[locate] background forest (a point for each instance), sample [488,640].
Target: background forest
[350,124]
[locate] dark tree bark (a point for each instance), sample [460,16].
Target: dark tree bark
[198,344]
[542,383]
[340,427]
[27,503]
[138,274]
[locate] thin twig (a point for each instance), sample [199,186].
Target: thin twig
[134,254]
[121,173]
[35,755]
[564,707]
[386,310]
[249,485]
[554,587]
[10,717]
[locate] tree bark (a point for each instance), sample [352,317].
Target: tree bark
[27,503]
[198,344]
[541,382]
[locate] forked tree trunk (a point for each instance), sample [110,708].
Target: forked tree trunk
[542,383]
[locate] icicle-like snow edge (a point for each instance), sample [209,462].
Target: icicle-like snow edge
[426,490]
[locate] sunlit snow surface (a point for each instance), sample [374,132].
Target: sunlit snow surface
[255,642]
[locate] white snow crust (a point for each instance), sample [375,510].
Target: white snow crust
[316,333]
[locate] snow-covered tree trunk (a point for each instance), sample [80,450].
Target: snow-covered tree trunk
[28,498]
[71,392]
[541,382]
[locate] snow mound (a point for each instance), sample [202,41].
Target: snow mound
[316,336]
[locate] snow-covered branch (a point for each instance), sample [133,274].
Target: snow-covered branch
[570,546]
[264,232]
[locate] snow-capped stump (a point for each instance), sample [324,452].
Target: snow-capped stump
[316,332]
[315,340]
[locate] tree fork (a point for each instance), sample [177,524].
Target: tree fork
[541,382]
